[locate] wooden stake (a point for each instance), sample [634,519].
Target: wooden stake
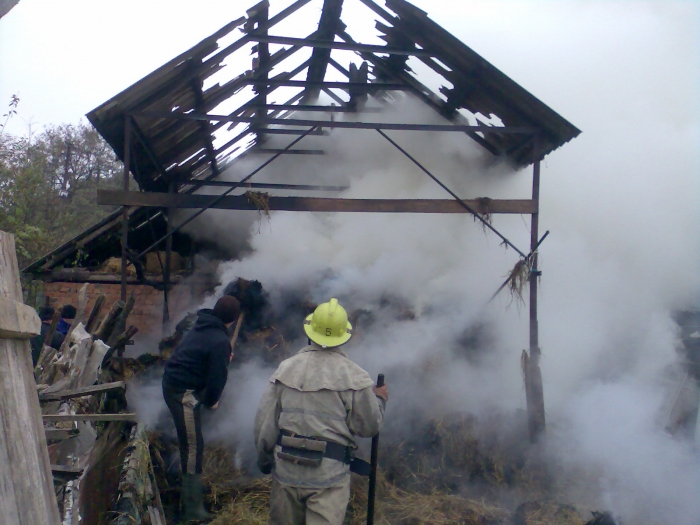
[120,323]
[107,324]
[91,323]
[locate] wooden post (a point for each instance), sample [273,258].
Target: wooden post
[27,494]
[533,375]
[125,209]
[166,268]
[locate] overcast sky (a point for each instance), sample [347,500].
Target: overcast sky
[65,57]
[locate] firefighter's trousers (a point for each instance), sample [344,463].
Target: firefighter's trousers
[307,506]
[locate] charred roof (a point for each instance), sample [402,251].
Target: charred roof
[199,84]
[195,115]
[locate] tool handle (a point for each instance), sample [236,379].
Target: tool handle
[373,468]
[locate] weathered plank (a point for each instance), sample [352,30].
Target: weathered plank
[138,491]
[89,417]
[59,434]
[63,469]
[17,320]
[80,392]
[316,204]
[26,484]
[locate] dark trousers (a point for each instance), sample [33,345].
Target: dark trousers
[187,413]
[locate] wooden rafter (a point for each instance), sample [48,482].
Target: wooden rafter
[328,26]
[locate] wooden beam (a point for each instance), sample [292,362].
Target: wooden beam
[331,44]
[63,469]
[322,123]
[265,185]
[328,26]
[89,417]
[27,493]
[80,392]
[275,151]
[316,108]
[317,204]
[82,275]
[59,434]
[17,320]
[285,131]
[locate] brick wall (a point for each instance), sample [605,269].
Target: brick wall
[147,314]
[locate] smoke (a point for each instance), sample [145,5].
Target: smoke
[621,204]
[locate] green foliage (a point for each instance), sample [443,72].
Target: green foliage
[48,184]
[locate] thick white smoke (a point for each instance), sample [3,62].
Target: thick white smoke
[621,204]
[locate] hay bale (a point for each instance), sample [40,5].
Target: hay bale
[177,262]
[113,266]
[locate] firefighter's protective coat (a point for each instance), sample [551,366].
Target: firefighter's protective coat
[318,393]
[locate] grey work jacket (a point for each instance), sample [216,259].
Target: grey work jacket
[316,393]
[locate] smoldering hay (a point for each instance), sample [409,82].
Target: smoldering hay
[621,203]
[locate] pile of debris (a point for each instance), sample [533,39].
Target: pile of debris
[404,496]
[100,456]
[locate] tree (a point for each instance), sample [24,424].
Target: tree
[48,184]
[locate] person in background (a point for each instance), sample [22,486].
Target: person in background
[67,315]
[315,404]
[195,376]
[37,342]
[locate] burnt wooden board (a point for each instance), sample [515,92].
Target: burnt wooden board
[317,204]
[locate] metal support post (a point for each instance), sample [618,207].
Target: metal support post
[125,209]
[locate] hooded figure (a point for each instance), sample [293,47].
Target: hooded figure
[195,376]
[37,342]
[68,313]
[315,405]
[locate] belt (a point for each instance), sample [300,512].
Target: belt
[326,449]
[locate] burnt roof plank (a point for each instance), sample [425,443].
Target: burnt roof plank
[426,95]
[328,26]
[494,84]
[315,204]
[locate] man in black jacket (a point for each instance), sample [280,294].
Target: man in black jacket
[195,376]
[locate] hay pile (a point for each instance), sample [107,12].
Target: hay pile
[459,471]
[451,470]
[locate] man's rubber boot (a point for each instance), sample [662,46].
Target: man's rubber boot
[193,499]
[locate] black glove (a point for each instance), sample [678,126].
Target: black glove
[266,462]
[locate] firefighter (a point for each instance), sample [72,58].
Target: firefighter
[195,376]
[314,406]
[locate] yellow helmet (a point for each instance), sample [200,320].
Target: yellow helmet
[328,326]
